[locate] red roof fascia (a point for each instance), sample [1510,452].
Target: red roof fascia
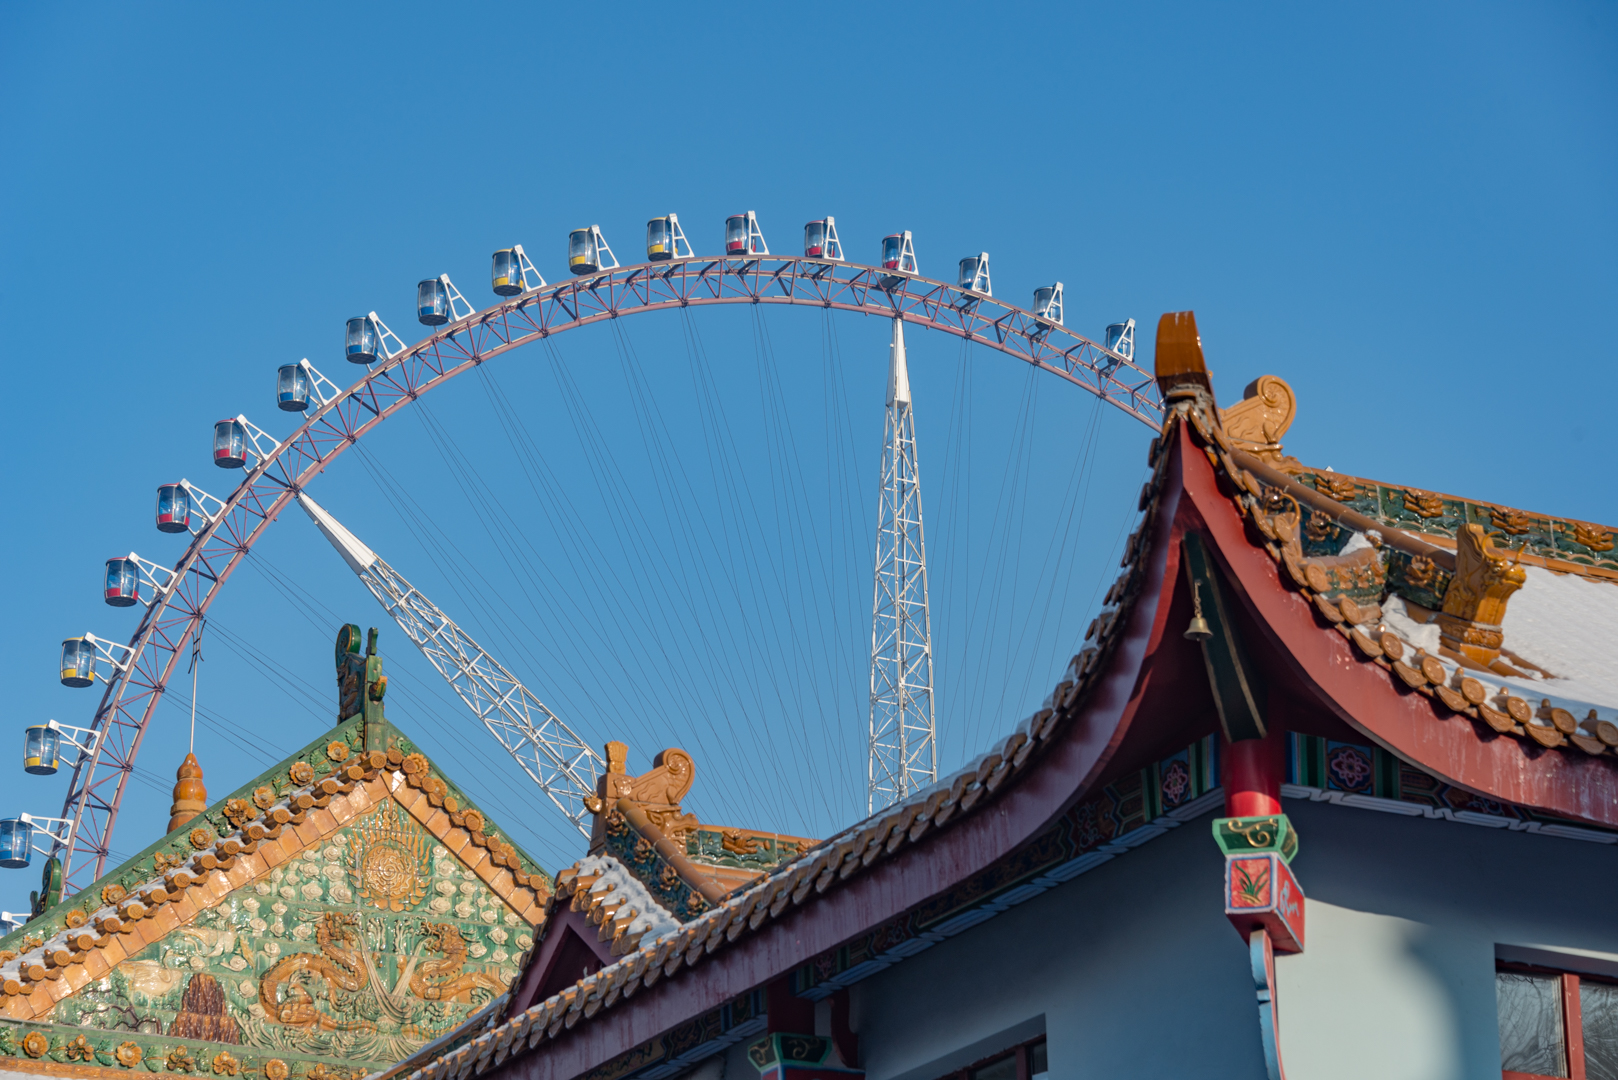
[1458,750]
[1067,772]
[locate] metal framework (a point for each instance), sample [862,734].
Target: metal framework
[217,548]
[562,764]
[904,731]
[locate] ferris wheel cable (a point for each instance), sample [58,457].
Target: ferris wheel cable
[804,558]
[953,552]
[455,562]
[766,578]
[841,517]
[1060,542]
[1012,499]
[730,485]
[636,542]
[575,526]
[673,479]
[96,787]
[741,528]
[1020,546]
[471,481]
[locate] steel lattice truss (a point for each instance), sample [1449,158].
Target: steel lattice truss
[904,744]
[556,759]
[166,629]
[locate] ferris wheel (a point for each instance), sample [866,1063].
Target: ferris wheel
[394,375]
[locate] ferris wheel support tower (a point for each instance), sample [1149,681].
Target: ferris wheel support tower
[903,732]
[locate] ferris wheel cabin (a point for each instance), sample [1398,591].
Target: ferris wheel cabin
[291,388]
[16,843]
[739,233]
[506,274]
[899,253]
[78,662]
[123,582]
[974,274]
[1048,303]
[41,753]
[432,303]
[583,253]
[229,444]
[363,340]
[1120,338]
[820,240]
[173,509]
[659,240]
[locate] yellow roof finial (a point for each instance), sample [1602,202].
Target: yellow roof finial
[190,796]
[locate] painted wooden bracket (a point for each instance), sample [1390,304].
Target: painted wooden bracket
[1262,894]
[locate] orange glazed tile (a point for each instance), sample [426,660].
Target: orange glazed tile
[19,1007]
[113,951]
[272,853]
[165,920]
[502,883]
[308,833]
[250,866]
[186,906]
[438,822]
[457,840]
[76,977]
[323,820]
[410,798]
[96,964]
[58,989]
[40,1001]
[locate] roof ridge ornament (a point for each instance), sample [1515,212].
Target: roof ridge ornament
[1181,371]
[1257,422]
[1475,602]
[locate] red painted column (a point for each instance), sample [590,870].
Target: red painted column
[1251,771]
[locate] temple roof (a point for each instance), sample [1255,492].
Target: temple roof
[1350,608]
[355,862]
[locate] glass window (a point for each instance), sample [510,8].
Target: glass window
[578,244]
[1598,1012]
[1037,1064]
[890,250]
[657,231]
[1003,1069]
[1531,1038]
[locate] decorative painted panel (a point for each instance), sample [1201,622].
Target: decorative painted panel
[341,960]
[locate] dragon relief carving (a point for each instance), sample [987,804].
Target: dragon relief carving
[1475,602]
[340,963]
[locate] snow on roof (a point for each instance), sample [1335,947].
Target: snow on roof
[614,884]
[1567,625]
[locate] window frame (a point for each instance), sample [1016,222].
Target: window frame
[1572,1017]
[1021,1051]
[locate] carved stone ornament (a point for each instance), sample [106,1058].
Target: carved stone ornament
[388,860]
[1475,603]
[1257,422]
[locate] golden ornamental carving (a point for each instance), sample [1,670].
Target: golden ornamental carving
[263,797]
[112,894]
[79,1049]
[338,751]
[238,811]
[180,1060]
[1509,521]
[1341,488]
[1475,602]
[163,861]
[738,843]
[224,1064]
[1593,537]
[35,1044]
[128,1054]
[1257,422]
[1421,572]
[414,766]
[301,773]
[1424,504]
[388,860]
[201,837]
[276,1069]
[76,919]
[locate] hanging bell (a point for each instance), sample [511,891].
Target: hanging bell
[1198,630]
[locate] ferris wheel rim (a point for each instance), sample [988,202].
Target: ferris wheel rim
[935,305]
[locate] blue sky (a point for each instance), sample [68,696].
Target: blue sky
[1405,212]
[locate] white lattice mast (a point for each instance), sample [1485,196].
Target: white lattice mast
[904,750]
